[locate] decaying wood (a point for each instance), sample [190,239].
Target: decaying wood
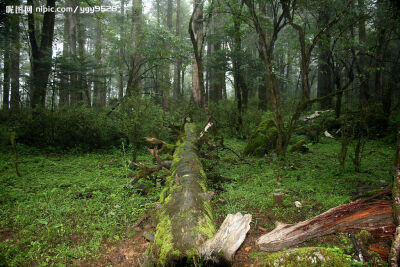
[394,256]
[316,114]
[184,234]
[185,219]
[146,170]
[222,246]
[373,216]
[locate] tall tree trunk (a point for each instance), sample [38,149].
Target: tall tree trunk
[196,36]
[6,69]
[239,85]
[379,65]
[166,83]
[324,87]
[41,54]
[177,62]
[99,93]
[134,82]
[209,74]
[263,102]
[266,50]
[64,90]
[76,94]
[83,86]
[362,61]
[121,53]
[15,50]
[218,69]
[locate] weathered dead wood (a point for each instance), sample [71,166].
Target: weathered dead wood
[221,248]
[185,217]
[394,256]
[374,216]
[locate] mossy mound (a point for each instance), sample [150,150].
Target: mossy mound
[309,256]
[262,140]
[300,146]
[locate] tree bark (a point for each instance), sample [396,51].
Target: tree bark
[185,232]
[177,61]
[6,69]
[99,98]
[14,56]
[134,85]
[362,65]
[373,216]
[64,90]
[267,44]
[82,82]
[196,36]
[76,95]
[41,54]
[121,53]
[185,220]
[324,87]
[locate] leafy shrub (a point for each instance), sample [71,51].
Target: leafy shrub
[140,117]
[226,115]
[85,128]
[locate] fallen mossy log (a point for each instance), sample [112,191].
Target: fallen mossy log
[185,233]
[374,216]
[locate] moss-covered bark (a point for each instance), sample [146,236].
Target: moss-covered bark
[185,218]
[262,140]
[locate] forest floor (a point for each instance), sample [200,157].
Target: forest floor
[78,209]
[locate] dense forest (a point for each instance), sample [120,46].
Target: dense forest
[199,133]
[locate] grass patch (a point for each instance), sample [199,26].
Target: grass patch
[64,205]
[316,179]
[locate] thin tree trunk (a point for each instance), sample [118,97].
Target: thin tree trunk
[14,56]
[6,69]
[99,99]
[177,62]
[263,100]
[362,62]
[76,95]
[166,83]
[196,36]
[64,90]
[324,71]
[82,82]
[121,53]
[134,85]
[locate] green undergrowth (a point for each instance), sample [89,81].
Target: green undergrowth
[65,205]
[316,179]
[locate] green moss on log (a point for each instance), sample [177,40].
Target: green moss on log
[263,139]
[300,146]
[163,238]
[308,256]
[185,220]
